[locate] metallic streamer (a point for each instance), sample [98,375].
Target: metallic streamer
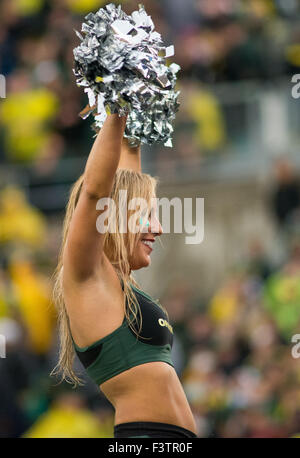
[121,62]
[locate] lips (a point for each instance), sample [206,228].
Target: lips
[148,242]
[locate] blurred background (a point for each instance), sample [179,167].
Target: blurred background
[233,300]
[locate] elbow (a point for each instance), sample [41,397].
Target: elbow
[94,191]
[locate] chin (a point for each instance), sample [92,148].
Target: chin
[141,263]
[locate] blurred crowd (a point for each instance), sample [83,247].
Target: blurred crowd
[215,41]
[232,351]
[240,376]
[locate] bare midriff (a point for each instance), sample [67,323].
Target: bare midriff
[149,392]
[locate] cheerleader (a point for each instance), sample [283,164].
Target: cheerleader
[122,337]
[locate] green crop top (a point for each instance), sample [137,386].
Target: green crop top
[122,349]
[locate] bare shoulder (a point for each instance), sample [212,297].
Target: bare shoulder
[95,306]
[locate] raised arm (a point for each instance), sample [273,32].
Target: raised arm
[130,157]
[83,253]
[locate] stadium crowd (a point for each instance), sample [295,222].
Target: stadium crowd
[215,41]
[232,351]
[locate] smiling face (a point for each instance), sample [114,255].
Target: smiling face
[133,192]
[150,229]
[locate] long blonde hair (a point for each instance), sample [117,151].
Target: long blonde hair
[117,249]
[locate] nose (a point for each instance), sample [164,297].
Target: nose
[155,227]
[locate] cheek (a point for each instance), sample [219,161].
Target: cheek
[140,258]
[138,250]
[141,252]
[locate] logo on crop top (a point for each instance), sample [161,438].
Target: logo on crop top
[164,323]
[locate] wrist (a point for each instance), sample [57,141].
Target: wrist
[128,148]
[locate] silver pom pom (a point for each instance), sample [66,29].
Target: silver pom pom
[121,62]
